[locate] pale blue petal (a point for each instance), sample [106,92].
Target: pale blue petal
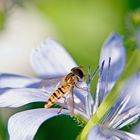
[19,97]
[115,112]
[81,93]
[125,135]
[136,129]
[51,60]
[17,81]
[113,55]
[132,89]
[126,118]
[104,133]
[131,112]
[24,125]
[98,133]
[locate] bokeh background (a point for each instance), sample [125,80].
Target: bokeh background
[81,26]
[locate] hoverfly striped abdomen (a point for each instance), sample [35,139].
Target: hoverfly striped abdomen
[57,95]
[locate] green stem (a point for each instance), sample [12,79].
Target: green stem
[131,68]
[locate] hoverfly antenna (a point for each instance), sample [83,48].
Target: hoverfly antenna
[81,66]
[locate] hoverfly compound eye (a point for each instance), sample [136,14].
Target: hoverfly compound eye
[78,72]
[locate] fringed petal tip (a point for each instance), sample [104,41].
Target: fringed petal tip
[51,59]
[113,48]
[113,38]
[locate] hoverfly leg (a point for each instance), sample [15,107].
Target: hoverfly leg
[70,102]
[82,88]
[72,110]
[62,107]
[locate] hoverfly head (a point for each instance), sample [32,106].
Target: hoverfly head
[78,72]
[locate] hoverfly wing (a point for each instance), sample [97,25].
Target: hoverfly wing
[51,84]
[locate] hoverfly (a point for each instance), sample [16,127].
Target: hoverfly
[68,83]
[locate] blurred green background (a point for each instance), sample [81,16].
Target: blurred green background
[81,26]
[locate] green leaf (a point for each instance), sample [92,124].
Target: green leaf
[3,130]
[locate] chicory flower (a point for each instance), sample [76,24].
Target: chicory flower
[51,60]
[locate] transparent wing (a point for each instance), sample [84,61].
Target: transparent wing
[51,84]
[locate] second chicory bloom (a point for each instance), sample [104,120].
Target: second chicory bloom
[126,111]
[52,60]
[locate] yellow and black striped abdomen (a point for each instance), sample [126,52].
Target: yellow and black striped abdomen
[57,95]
